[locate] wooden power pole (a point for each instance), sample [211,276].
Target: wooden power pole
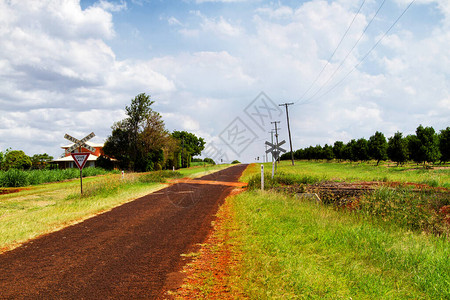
[289,129]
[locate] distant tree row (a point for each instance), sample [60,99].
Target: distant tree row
[17,159]
[424,146]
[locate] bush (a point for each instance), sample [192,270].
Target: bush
[235,162]
[209,161]
[281,179]
[418,210]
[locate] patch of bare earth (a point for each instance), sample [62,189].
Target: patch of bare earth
[211,272]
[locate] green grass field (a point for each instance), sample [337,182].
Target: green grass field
[299,249]
[364,172]
[44,208]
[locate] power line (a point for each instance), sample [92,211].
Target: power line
[368,53]
[334,52]
[348,54]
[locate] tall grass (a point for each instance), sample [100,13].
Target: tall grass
[411,209]
[19,178]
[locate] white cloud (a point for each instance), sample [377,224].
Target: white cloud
[58,74]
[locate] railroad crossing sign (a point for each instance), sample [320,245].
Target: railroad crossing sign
[80,159]
[80,143]
[276,149]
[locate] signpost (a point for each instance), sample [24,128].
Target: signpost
[275,150]
[80,158]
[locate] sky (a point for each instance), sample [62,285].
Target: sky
[221,68]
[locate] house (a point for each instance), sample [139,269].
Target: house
[67,161]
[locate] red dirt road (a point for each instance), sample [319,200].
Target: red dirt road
[133,251]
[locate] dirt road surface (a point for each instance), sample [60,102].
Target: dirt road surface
[131,252]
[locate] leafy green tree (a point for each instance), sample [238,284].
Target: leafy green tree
[397,149]
[118,145]
[361,149]
[140,142]
[104,162]
[378,147]
[349,150]
[137,113]
[17,159]
[191,145]
[327,152]
[40,161]
[444,144]
[424,146]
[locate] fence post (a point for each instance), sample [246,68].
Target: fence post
[262,177]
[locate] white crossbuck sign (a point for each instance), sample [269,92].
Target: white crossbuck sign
[276,149]
[80,143]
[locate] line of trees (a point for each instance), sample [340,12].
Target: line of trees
[140,142]
[424,146]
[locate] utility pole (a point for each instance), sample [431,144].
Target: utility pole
[289,128]
[271,134]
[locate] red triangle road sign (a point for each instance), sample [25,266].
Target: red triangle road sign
[80,159]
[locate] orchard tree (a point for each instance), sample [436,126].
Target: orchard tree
[361,149]
[424,145]
[327,152]
[444,144]
[349,150]
[397,149]
[338,150]
[377,147]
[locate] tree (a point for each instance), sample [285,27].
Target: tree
[104,162]
[361,149]
[444,144]
[191,145]
[17,159]
[338,150]
[118,145]
[137,113]
[40,161]
[327,152]
[349,151]
[424,145]
[397,149]
[140,142]
[377,147]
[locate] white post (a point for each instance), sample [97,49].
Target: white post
[122,175]
[273,168]
[173,168]
[262,177]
